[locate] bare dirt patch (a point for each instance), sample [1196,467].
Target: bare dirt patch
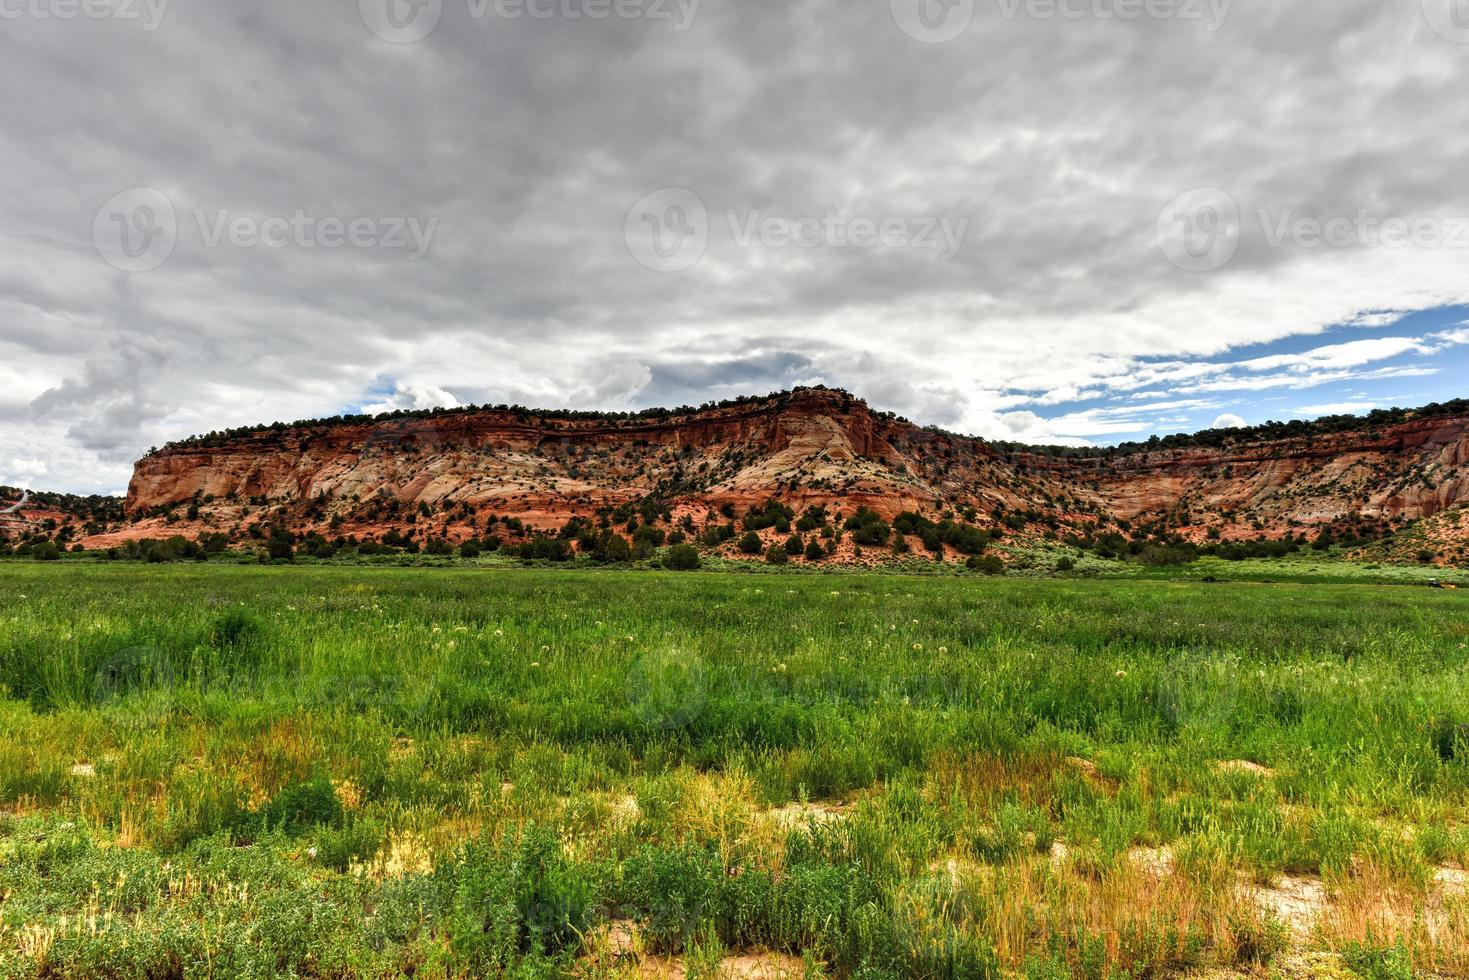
[618,946]
[1157,861]
[802,814]
[1454,882]
[1296,901]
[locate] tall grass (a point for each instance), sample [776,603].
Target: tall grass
[375,771]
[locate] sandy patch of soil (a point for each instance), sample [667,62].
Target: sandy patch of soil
[1454,882]
[618,946]
[801,814]
[1244,766]
[1294,900]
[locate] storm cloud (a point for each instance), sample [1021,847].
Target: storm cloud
[217,213]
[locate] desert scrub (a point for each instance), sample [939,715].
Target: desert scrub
[366,772]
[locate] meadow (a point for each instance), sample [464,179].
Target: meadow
[334,771]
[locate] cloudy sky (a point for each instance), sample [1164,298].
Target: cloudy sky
[1043,220]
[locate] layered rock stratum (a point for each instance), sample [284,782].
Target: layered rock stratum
[444,472]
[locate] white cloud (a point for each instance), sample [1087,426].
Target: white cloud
[412,397]
[1338,408]
[1229,421]
[1059,298]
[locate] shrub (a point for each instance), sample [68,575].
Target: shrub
[338,847]
[868,528]
[234,628]
[611,548]
[776,555]
[519,898]
[301,806]
[1163,555]
[750,543]
[542,548]
[988,565]
[771,514]
[1373,962]
[814,551]
[682,558]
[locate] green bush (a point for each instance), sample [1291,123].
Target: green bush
[682,558]
[338,847]
[1371,961]
[868,528]
[302,806]
[987,565]
[517,899]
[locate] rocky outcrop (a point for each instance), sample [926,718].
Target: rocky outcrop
[809,447]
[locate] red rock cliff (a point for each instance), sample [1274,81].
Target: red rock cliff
[806,447]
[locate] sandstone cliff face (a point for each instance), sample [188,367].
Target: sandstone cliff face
[1413,470]
[808,447]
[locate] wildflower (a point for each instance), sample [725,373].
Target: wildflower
[499,632]
[545,649]
[1121,673]
[535,665]
[943,649]
[918,646]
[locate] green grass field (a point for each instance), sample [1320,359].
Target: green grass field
[240,771]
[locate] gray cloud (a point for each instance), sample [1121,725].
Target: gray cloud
[1060,141]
